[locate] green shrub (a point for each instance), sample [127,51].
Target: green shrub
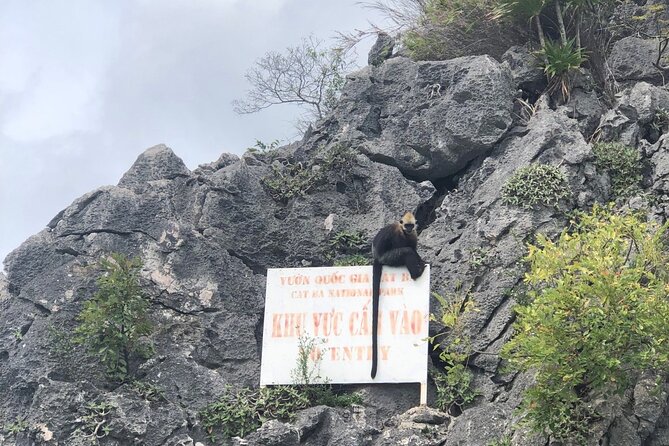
[349,242]
[596,314]
[536,184]
[503,441]
[660,122]
[148,391]
[455,387]
[348,248]
[290,180]
[622,163]
[113,322]
[240,411]
[263,148]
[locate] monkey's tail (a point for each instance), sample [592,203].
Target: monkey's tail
[376,285]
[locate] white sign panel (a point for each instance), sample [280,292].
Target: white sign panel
[333,305]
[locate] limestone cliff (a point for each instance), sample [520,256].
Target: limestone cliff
[438,137]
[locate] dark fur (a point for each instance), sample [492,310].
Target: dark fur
[394,245]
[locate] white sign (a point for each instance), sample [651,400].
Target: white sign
[334,306]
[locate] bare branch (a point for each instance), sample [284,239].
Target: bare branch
[305,74]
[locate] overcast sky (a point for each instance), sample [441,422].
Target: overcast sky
[86,86]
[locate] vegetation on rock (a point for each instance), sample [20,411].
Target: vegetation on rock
[348,248]
[536,184]
[455,388]
[595,315]
[241,410]
[114,321]
[294,179]
[622,163]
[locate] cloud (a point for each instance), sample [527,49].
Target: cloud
[86,86]
[54,55]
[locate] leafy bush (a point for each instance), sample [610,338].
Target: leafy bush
[660,122]
[148,391]
[623,165]
[348,248]
[263,148]
[349,242]
[536,184]
[240,411]
[596,314]
[503,441]
[290,180]
[455,387]
[659,125]
[114,321]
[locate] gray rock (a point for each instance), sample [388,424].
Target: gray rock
[584,104]
[635,109]
[525,69]
[382,49]
[635,18]
[318,426]
[206,239]
[156,163]
[650,402]
[633,59]
[419,426]
[4,287]
[660,165]
[427,118]
[274,433]
[475,247]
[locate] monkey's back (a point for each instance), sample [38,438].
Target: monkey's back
[392,237]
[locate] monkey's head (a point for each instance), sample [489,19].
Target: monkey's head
[408,222]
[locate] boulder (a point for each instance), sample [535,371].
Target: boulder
[633,59]
[632,117]
[429,119]
[382,49]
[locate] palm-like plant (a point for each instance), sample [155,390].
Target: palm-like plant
[558,61]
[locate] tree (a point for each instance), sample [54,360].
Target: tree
[115,319]
[306,75]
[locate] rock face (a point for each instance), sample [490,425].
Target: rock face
[437,137]
[427,118]
[206,239]
[634,59]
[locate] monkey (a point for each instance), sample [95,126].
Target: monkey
[393,245]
